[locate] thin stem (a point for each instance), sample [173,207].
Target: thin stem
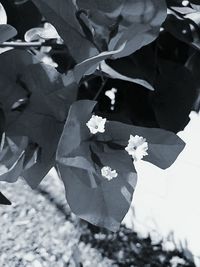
[30,44]
[100,89]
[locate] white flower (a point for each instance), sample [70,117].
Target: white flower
[108,173]
[137,147]
[96,124]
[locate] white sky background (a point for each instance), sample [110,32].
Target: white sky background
[170,200]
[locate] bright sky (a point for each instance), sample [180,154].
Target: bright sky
[170,200]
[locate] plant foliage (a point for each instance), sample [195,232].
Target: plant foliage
[131,62]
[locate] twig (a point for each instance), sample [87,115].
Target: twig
[100,89]
[31,44]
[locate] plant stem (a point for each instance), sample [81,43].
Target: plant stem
[100,89]
[30,44]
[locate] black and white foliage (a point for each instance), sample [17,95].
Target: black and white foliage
[53,108]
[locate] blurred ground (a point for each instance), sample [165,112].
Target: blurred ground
[39,230]
[35,233]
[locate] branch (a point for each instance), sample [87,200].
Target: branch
[31,44]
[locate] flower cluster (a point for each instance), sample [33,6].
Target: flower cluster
[97,158]
[137,146]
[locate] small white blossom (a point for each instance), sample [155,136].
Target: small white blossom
[96,124]
[137,147]
[108,173]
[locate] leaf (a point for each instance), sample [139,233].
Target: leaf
[38,171]
[196,2]
[14,62]
[193,18]
[183,9]
[163,146]
[106,69]
[104,6]
[48,97]
[196,6]
[133,30]
[3,16]
[135,68]
[37,166]
[6,32]
[47,32]
[12,65]
[142,27]
[80,157]
[98,205]
[4,200]
[139,22]
[184,29]
[12,158]
[31,156]
[61,14]
[97,197]
[43,130]
[174,96]
[119,133]
[88,66]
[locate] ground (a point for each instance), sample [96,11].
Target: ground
[39,230]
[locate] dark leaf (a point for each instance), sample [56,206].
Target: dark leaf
[4,200]
[185,29]
[174,96]
[194,2]
[48,94]
[136,67]
[12,65]
[12,158]
[14,62]
[61,14]
[35,174]
[6,32]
